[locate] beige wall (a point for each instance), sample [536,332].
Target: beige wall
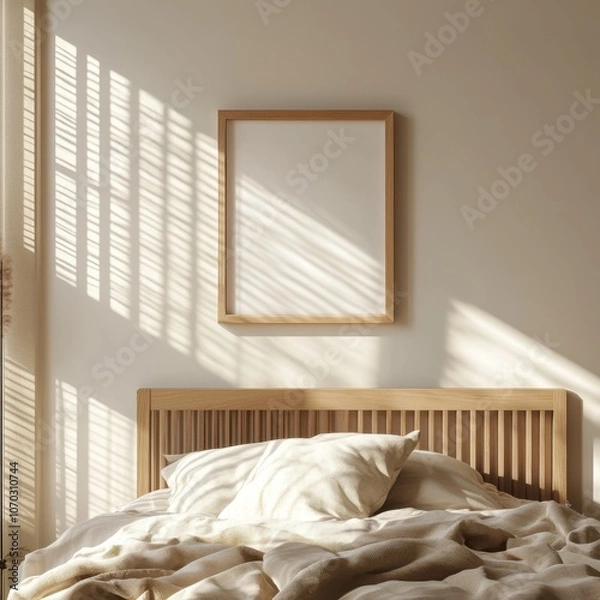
[132,93]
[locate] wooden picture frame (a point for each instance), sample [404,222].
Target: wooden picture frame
[290,249]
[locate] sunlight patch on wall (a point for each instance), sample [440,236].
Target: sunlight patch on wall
[318,270]
[481,349]
[152,276]
[111,464]
[120,201]
[94,463]
[180,213]
[65,232]
[20,441]
[66,455]
[94,178]
[29,130]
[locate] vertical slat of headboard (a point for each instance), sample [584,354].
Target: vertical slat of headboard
[502,465]
[529,466]
[431,430]
[143,441]
[165,444]
[543,474]
[443,435]
[155,458]
[188,431]
[419,423]
[491,429]
[459,434]
[486,463]
[549,452]
[473,439]
[514,450]
[559,446]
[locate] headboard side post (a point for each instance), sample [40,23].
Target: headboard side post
[143,441]
[559,447]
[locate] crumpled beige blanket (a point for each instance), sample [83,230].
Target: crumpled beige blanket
[538,550]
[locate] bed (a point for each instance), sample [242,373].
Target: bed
[336,493]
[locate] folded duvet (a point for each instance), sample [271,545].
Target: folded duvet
[538,550]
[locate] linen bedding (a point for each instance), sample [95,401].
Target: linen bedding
[504,549]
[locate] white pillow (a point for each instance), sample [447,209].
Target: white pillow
[432,481]
[208,480]
[337,476]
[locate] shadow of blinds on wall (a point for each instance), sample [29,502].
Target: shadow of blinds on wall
[18,175]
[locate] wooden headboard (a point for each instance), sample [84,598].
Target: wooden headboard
[516,438]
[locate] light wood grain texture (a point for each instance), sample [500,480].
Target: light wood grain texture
[143,442]
[487,451]
[225,117]
[390,299]
[445,444]
[501,451]
[528,426]
[473,439]
[459,434]
[305,115]
[559,445]
[515,449]
[222,230]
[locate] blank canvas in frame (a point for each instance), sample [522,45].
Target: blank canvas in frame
[306,216]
